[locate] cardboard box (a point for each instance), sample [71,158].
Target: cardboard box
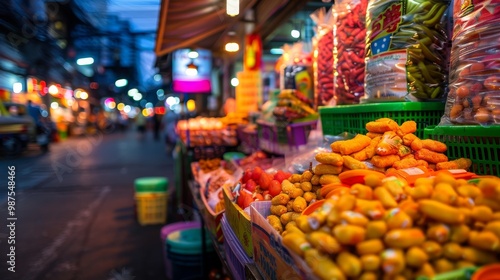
[273,260]
[239,220]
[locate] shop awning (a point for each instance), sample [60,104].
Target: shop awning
[205,24]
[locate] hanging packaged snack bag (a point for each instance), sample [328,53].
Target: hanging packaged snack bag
[474,96]
[324,57]
[350,50]
[407,50]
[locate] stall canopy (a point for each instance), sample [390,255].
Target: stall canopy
[205,24]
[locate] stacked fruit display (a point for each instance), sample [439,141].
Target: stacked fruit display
[257,185]
[391,231]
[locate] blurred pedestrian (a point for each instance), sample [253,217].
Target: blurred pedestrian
[156,126]
[140,122]
[170,120]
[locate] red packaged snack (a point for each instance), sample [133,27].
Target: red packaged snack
[350,54]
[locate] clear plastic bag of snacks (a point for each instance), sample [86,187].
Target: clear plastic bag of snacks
[474,96]
[350,50]
[407,50]
[324,57]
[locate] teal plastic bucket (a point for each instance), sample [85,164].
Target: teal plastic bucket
[185,252]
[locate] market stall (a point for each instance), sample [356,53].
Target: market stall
[403,182]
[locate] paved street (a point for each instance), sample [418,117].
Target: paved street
[75,210]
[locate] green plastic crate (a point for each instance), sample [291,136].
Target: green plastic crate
[353,118]
[479,144]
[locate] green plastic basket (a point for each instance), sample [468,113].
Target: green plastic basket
[479,144]
[460,274]
[353,118]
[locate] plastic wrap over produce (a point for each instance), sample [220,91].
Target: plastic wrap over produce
[474,96]
[407,50]
[350,54]
[323,57]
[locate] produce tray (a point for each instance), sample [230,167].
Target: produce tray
[282,138]
[478,143]
[272,258]
[239,220]
[353,118]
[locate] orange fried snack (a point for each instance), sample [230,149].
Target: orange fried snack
[370,150]
[322,169]
[353,163]
[406,128]
[434,145]
[430,156]
[403,151]
[336,146]
[405,163]
[408,156]
[416,145]
[384,161]
[330,158]
[389,144]
[432,166]
[361,155]
[390,170]
[461,163]
[356,144]
[422,163]
[374,135]
[409,138]
[382,125]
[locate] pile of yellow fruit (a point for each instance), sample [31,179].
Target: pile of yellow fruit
[384,230]
[298,192]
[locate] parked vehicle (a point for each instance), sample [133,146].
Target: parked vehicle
[14,135]
[39,128]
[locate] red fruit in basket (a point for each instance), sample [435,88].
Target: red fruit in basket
[257,171]
[247,201]
[247,175]
[275,188]
[241,198]
[280,176]
[265,180]
[258,196]
[251,185]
